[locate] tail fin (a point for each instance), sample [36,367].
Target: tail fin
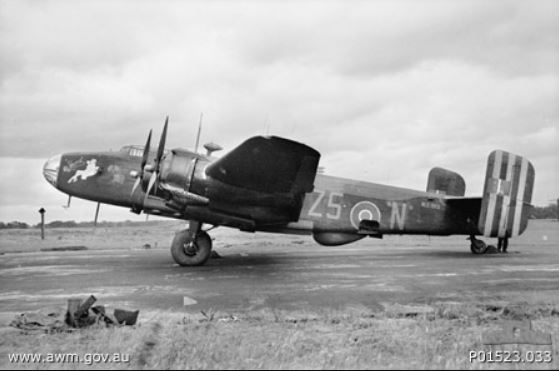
[507,194]
[446,182]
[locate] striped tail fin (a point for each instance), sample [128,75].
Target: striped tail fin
[507,194]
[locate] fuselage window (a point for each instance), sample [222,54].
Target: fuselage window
[136,152]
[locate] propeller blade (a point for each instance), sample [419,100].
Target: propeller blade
[140,175]
[152,180]
[146,153]
[161,147]
[136,184]
[199,131]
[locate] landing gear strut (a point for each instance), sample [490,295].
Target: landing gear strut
[191,246]
[477,246]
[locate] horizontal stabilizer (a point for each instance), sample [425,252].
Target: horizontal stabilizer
[268,165]
[446,182]
[507,194]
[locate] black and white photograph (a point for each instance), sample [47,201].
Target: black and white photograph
[243,184]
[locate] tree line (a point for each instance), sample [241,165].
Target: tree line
[537,212]
[545,212]
[73,224]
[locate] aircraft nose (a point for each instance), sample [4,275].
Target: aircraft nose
[51,168]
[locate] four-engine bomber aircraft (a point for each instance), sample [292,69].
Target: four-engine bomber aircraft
[271,184]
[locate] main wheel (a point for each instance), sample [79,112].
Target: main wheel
[188,252]
[478,246]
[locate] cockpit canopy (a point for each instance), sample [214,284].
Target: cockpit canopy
[136,150]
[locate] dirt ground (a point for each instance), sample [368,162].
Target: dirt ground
[272,294]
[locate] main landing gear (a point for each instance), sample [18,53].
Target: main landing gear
[479,247]
[191,246]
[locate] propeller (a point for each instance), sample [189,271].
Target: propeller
[144,162]
[152,185]
[153,180]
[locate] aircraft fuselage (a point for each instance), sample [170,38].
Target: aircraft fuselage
[336,205]
[271,184]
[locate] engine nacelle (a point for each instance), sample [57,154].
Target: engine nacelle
[177,169]
[336,238]
[181,180]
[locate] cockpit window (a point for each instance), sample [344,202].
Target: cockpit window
[137,150]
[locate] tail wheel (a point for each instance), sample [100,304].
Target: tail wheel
[478,246]
[191,252]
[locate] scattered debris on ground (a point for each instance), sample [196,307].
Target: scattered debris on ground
[208,316]
[229,318]
[79,314]
[47,321]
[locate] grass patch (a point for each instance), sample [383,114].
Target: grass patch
[345,339]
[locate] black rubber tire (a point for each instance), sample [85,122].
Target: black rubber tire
[201,249]
[478,247]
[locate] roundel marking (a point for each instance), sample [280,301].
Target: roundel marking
[364,210]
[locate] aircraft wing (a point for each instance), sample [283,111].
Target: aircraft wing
[268,165]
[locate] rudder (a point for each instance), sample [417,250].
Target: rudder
[507,193]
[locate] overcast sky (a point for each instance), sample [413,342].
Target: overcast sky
[384,90]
